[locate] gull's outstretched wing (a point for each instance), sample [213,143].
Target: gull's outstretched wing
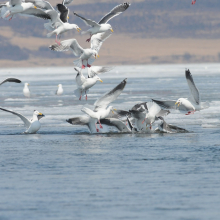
[140,107]
[115,123]
[41,4]
[109,97]
[27,122]
[192,87]
[98,39]
[83,120]
[162,113]
[166,104]
[36,13]
[114,12]
[11,80]
[88,22]
[54,16]
[64,11]
[15,2]
[67,45]
[66,2]
[95,70]
[80,79]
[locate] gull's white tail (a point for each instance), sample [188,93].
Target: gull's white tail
[89,112]
[78,63]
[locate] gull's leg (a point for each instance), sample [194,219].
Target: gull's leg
[89,38]
[8,14]
[57,41]
[150,126]
[96,127]
[83,67]
[11,18]
[190,112]
[88,64]
[100,124]
[86,95]
[80,96]
[143,121]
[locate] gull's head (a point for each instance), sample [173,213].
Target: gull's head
[26,84]
[97,78]
[112,109]
[108,27]
[76,27]
[60,85]
[38,114]
[32,5]
[95,54]
[179,102]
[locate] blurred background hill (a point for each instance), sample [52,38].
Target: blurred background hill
[150,31]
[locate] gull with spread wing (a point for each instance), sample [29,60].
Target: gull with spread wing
[57,26]
[102,25]
[32,125]
[102,109]
[85,55]
[189,105]
[23,8]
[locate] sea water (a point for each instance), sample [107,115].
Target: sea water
[64,172]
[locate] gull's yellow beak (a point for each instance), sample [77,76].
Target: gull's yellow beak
[97,55]
[68,17]
[115,109]
[35,7]
[101,81]
[177,103]
[78,29]
[40,113]
[28,84]
[112,30]
[113,112]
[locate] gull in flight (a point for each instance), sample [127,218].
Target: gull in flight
[102,25]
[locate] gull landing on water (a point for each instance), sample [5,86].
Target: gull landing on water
[32,125]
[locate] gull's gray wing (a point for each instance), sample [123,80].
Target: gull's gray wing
[166,104]
[192,87]
[95,70]
[27,122]
[15,2]
[114,12]
[140,107]
[83,120]
[36,12]
[64,11]
[41,4]
[80,79]
[115,123]
[109,97]
[162,113]
[67,45]
[11,80]
[66,2]
[137,114]
[98,39]
[88,22]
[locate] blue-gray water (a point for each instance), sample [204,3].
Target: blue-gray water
[63,172]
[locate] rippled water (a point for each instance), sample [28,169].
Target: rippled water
[63,172]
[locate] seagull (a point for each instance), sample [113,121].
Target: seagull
[23,8]
[190,105]
[84,84]
[32,125]
[102,25]
[59,90]
[26,90]
[84,54]
[58,26]
[64,12]
[11,80]
[101,110]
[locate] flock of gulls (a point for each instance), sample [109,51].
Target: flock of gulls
[140,118]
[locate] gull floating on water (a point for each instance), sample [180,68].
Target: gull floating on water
[26,91]
[102,25]
[32,125]
[59,90]
[189,105]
